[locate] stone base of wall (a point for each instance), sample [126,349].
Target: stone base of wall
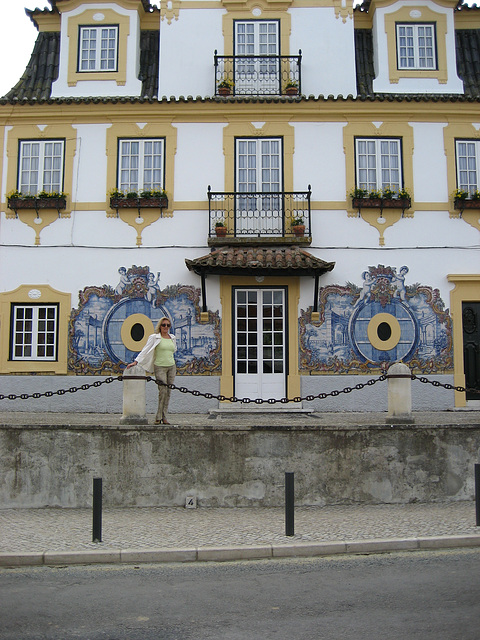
[236,466]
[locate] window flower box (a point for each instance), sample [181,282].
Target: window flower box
[461,203]
[143,200]
[57,202]
[382,203]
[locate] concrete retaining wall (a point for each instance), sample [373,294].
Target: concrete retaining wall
[237,466]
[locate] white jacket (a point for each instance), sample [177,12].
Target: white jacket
[146,357]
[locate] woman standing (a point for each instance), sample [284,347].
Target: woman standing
[157,356]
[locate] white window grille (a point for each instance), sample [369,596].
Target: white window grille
[41,166]
[260,72]
[259,171]
[416,46]
[468,161]
[140,165]
[34,332]
[378,163]
[98,48]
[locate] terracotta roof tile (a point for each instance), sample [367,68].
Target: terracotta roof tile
[262,260]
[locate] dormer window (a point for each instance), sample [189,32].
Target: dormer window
[98,48]
[416,46]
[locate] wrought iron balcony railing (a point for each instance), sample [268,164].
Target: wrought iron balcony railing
[257,214]
[258,75]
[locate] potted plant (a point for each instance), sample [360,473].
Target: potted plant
[291,88]
[298,226]
[464,200]
[148,198]
[220,229]
[225,87]
[42,200]
[386,198]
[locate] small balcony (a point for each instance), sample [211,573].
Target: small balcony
[258,75]
[275,218]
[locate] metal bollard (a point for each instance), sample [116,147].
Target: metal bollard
[289,504]
[477,494]
[97,510]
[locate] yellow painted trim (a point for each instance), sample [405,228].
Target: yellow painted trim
[226,299]
[372,331]
[112,17]
[48,295]
[401,130]
[126,329]
[467,19]
[430,16]
[450,134]
[49,22]
[33,132]
[249,5]
[256,110]
[467,289]
[269,12]
[133,130]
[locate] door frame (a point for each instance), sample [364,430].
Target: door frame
[467,289]
[292,286]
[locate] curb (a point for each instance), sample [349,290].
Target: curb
[230,553]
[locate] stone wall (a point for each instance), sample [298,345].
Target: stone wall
[236,466]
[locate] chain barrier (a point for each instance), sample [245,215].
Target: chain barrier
[222,398]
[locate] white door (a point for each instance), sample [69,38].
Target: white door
[259,171]
[259,343]
[255,41]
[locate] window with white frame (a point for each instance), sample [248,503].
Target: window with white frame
[35,330]
[416,46]
[141,164]
[98,47]
[378,163]
[258,173]
[468,162]
[41,166]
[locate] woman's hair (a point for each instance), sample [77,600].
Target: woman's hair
[157,328]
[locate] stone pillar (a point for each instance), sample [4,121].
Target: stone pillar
[134,396]
[399,395]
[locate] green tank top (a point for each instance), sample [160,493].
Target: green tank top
[164,353]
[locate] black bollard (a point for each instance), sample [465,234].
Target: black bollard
[289,504]
[477,493]
[97,510]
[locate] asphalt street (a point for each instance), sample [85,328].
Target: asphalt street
[418,595]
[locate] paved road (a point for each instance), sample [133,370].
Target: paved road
[410,596]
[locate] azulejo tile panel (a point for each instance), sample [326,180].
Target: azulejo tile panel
[364,329]
[111,323]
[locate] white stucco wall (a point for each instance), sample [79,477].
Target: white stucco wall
[189,44]
[323,38]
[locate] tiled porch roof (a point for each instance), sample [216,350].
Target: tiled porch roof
[259,260]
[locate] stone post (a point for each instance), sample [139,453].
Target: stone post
[134,396]
[399,395]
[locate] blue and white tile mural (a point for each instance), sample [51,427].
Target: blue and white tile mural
[368,327]
[97,343]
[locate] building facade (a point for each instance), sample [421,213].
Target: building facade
[295,185]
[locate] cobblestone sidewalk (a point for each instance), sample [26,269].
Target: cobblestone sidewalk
[41,530]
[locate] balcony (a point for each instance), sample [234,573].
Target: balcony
[258,75]
[275,218]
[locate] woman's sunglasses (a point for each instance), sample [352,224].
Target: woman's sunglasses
[164,324]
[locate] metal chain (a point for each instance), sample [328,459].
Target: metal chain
[446,385]
[222,398]
[308,398]
[60,392]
